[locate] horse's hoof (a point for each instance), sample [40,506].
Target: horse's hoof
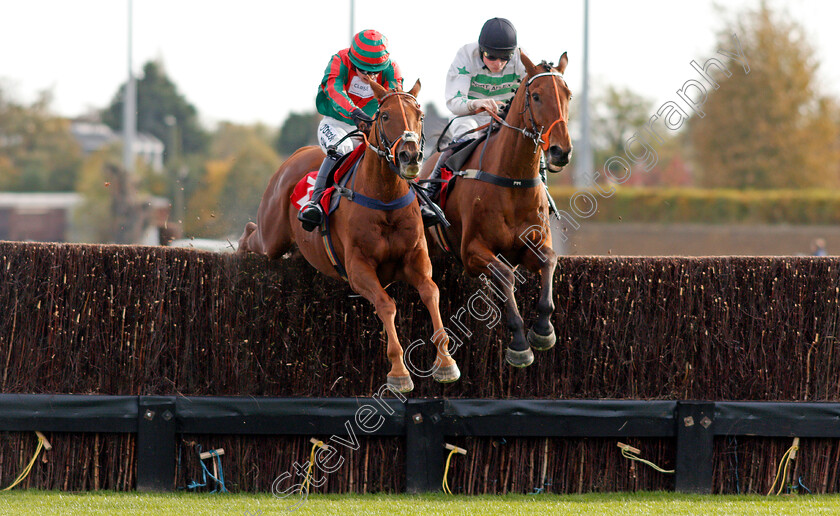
[401,384]
[519,358]
[447,374]
[541,342]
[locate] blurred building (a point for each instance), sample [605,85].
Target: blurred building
[92,136]
[36,217]
[50,217]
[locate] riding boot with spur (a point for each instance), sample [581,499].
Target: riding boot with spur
[311,216]
[433,190]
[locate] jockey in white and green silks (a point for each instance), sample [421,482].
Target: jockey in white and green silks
[485,74]
[470,84]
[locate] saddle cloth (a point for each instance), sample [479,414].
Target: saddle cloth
[329,202]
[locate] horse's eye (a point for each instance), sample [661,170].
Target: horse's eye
[536,97]
[385,117]
[422,118]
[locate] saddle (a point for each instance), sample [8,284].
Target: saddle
[461,152]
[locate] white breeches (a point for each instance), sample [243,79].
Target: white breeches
[331,130]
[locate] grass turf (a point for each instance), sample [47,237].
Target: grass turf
[108,503]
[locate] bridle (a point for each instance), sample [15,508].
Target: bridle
[538,141]
[535,134]
[389,149]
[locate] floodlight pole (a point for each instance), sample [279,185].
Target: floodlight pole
[352,19]
[129,107]
[584,172]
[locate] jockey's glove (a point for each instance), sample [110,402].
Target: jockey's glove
[475,105]
[361,119]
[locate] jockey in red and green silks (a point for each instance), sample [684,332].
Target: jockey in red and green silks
[346,100]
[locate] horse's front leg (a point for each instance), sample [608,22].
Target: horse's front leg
[543,260]
[363,279]
[418,272]
[479,259]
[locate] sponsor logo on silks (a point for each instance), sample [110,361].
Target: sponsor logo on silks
[327,131]
[360,88]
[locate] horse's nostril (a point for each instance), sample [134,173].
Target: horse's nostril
[560,155]
[404,156]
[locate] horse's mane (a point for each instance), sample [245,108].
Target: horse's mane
[546,66]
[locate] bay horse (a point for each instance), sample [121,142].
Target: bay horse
[373,246]
[498,211]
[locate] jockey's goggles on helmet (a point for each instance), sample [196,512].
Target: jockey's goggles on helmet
[366,72]
[490,57]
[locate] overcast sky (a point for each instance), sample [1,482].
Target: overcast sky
[256,60]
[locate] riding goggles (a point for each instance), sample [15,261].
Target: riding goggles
[490,57]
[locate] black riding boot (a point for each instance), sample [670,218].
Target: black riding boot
[433,190]
[311,215]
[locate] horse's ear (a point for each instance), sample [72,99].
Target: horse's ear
[561,64]
[378,90]
[415,89]
[530,69]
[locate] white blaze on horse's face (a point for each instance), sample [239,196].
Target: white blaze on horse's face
[411,169]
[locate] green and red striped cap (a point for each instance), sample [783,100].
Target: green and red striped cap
[368,51]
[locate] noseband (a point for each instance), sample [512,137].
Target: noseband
[407,136]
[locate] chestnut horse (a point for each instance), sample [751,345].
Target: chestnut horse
[374,246]
[499,216]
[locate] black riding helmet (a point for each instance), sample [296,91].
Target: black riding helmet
[497,38]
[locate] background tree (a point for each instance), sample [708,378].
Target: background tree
[618,113]
[298,130]
[37,150]
[771,128]
[115,206]
[158,100]
[233,181]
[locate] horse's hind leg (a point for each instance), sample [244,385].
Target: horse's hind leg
[479,258]
[541,335]
[244,241]
[419,275]
[363,279]
[272,240]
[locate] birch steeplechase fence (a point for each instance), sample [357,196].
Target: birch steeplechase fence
[130,358]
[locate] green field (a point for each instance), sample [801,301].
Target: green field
[108,503]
